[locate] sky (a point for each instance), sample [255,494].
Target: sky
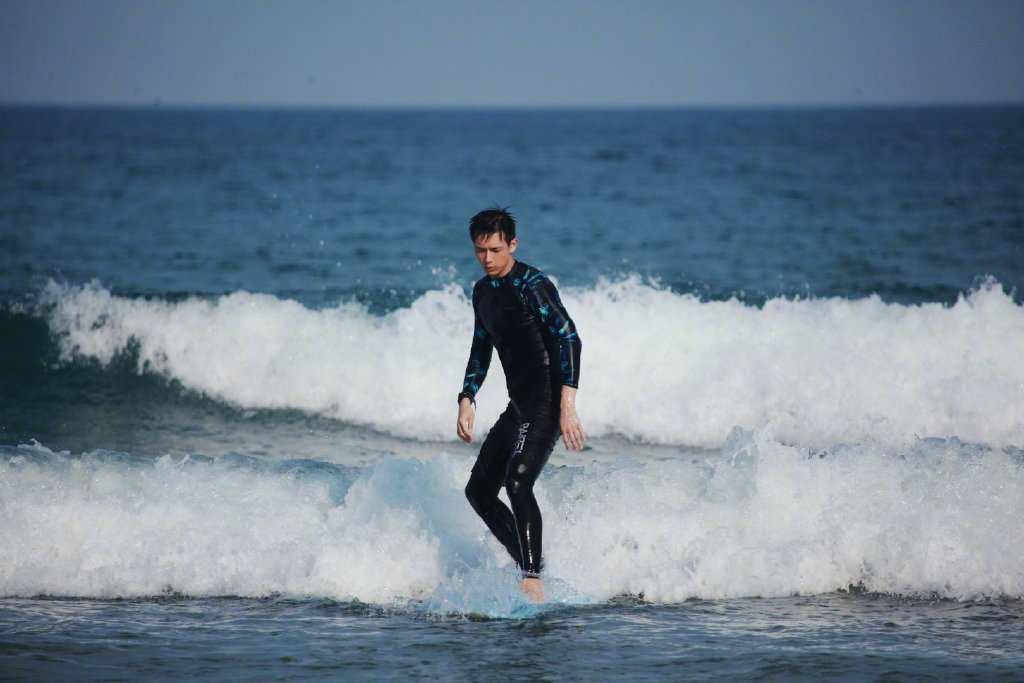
[511,53]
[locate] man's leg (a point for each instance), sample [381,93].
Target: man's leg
[534,441]
[487,478]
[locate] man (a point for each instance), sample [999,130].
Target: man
[518,312]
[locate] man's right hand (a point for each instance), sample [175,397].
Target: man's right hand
[465,427]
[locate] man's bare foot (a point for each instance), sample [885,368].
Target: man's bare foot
[531,586]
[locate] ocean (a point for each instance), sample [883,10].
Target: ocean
[231,342]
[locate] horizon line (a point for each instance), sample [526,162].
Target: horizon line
[158,105]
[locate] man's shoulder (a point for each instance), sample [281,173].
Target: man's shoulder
[529,277]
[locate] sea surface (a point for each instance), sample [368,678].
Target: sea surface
[231,341]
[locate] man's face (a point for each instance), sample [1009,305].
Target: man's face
[495,254]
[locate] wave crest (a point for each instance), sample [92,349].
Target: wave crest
[763,519]
[657,366]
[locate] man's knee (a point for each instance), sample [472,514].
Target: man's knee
[519,483]
[472,492]
[476,492]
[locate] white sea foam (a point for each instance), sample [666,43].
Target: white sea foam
[939,519]
[657,366]
[767,519]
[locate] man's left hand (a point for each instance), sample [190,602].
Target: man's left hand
[569,421]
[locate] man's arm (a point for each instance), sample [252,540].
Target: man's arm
[476,371]
[543,298]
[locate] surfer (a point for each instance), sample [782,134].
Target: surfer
[517,311]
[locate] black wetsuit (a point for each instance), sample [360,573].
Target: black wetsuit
[522,317]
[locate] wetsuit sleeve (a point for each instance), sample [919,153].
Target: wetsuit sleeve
[479,358]
[542,297]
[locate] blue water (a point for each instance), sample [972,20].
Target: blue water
[231,342]
[813,638]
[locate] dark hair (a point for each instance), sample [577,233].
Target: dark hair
[490,221]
